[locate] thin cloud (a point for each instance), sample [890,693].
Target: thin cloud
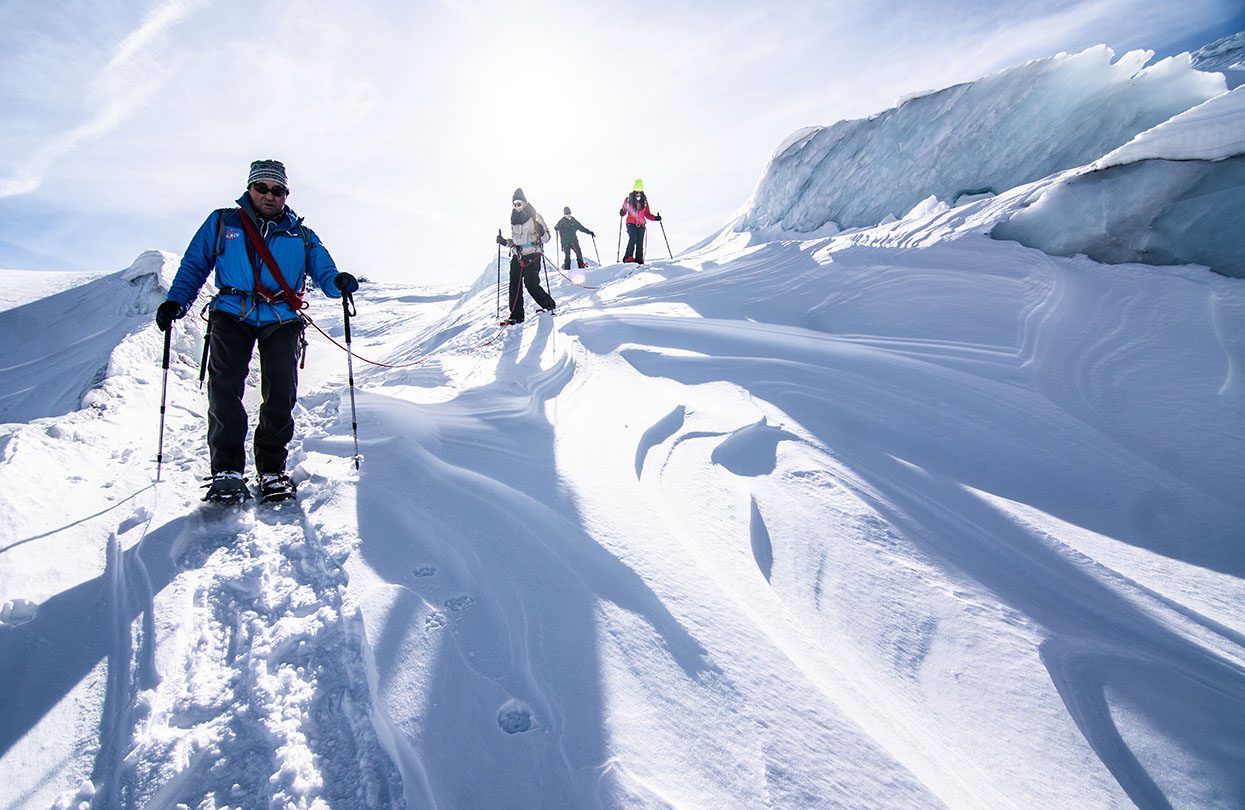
[124,84]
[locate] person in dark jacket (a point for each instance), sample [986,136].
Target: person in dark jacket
[635,209]
[528,235]
[568,229]
[257,304]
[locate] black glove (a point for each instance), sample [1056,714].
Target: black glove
[168,312]
[345,282]
[593,235]
[622,212]
[657,217]
[501,240]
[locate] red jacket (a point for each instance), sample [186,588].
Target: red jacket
[636,213]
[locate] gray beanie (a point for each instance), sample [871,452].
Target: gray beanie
[271,171]
[519,195]
[567,210]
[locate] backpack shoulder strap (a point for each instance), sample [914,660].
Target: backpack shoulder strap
[220,229]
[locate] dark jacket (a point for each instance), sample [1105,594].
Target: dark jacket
[567,227]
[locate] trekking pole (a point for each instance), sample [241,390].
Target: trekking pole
[663,236]
[544,262]
[618,257]
[499,274]
[347,305]
[594,249]
[164,391]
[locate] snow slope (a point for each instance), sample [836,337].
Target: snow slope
[802,523]
[904,516]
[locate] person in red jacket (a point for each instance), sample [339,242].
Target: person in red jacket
[635,209]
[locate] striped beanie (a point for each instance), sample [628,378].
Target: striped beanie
[271,171]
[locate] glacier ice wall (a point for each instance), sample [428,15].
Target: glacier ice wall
[996,133]
[1226,56]
[1173,195]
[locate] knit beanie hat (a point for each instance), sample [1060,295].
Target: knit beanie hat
[639,185]
[567,210]
[518,195]
[271,171]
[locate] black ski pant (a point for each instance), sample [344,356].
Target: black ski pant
[229,358]
[527,268]
[635,242]
[567,247]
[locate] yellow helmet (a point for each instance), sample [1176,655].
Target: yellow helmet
[639,185]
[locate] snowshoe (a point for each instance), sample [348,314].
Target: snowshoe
[226,487]
[276,487]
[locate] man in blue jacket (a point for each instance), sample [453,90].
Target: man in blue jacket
[262,255]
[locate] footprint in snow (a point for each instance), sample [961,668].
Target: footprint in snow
[459,603]
[17,611]
[515,717]
[435,621]
[425,570]
[140,516]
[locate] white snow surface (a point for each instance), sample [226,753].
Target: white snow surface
[993,134]
[905,517]
[898,516]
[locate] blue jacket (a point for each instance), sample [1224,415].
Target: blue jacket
[296,258]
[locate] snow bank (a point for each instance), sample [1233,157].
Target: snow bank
[993,134]
[62,344]
[1173,195]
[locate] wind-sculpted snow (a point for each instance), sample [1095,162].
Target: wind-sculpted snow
[58,347]
[990,135]
[902,517]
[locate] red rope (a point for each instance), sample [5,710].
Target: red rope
[360,357]
[568,278]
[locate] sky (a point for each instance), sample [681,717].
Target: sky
[406,127]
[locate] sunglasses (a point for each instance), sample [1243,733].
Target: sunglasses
[276,191]
[518,203]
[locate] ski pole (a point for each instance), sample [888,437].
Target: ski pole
[594,249]
[663,236]
[618,257]
[347,304]
[164,391]
[499,274]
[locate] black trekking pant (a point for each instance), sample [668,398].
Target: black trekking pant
[229,358]
[527,268]
[635,242]
[567,247]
